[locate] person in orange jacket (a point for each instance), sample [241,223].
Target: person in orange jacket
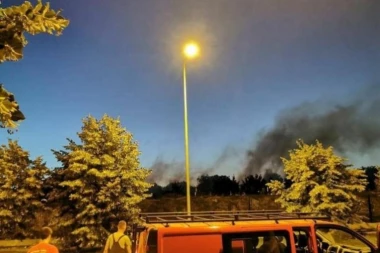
[44,245]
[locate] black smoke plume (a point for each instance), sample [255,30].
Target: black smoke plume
[351,128]
[164,172]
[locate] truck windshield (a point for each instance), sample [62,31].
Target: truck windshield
[334,239]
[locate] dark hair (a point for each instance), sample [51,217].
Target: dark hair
[46,232]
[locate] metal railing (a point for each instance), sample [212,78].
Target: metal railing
[226,216]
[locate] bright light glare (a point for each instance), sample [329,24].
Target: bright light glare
[191,50]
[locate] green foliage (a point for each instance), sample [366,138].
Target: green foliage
[21,181]
[321,182]
[9,110]
[100,179]
[15,21]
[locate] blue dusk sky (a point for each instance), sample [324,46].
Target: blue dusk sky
[123,58]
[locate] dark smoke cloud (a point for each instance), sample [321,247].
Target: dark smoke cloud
[164,172]
[353,127]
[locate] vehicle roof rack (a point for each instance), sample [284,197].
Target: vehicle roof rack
[227,216]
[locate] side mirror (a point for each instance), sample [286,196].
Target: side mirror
[378,236]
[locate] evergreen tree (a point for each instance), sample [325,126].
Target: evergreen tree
[15,21]
[321,182]
[101,179]
[21,181]
[9,110]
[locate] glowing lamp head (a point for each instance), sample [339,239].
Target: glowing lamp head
[191,50]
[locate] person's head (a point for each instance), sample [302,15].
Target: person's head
[122,226]
[46,233]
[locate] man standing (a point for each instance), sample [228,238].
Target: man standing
[118,242]
[44,245]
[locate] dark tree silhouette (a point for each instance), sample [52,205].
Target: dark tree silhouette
[157,191]
[235,186]
[371,173]
[253,184]
[205,185]
[217,185]
[222,185]
[175,188]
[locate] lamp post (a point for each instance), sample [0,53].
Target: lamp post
[190,51]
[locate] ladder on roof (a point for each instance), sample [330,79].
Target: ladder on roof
[227,216]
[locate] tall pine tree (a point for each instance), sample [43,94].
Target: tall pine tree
[101,178]
[321,182]
[21,181]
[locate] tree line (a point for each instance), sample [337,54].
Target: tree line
[223,185]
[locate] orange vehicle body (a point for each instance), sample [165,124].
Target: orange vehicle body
[249,236]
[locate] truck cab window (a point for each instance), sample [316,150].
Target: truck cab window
[257,242]
[334,239]
[152,242]
[303,240]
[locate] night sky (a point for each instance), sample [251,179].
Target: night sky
[123,58]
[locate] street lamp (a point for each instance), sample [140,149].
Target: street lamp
[190,51]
